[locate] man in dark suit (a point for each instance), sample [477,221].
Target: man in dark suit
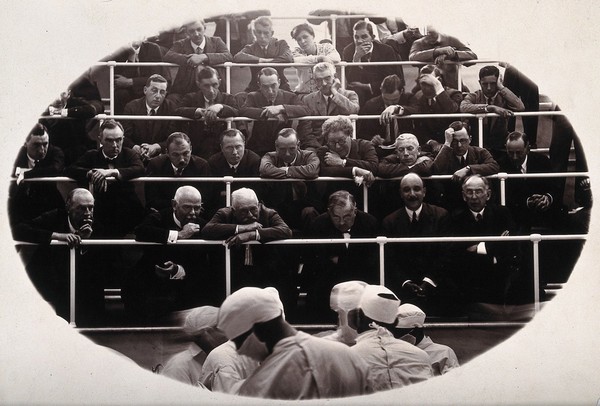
[172,276]
[270,102]
[265,49]
[366,80]
[533,201]
[254,265]
[36,159]
[296,202]
[48,267]
[329,100]
[329,264]
[197,49]
[177,162]
[483,271]
[413,270]
[147,137]
[130,80]
[391,102]
[117,205]
[459,159]
[206,106]
[342,156]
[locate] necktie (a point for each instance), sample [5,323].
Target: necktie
[414,217]
[489,100]
[152,112]
[347,237]
[179,172]
[414,222]
[478,217]
[462,161]
[36,162]
[232,170]
[198,50]
[328,104]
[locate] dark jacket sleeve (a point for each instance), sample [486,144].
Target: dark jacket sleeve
[151,229]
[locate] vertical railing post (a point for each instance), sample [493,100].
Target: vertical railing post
[480,126]
[502,176]
[111,81]
[228,180]
[353,118]
[228,34]
[342,66]
[72,272]
[334,34]
[535,239]
[381,241]
[459,77]
[228,76]
[227,271]
[229,120]
[365,198]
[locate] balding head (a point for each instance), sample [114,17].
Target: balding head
[412,191]
[187,204]
[245,206]
[80,207]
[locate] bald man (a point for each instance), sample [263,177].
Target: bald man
[247,220]
[172,276]
[413,269]
[48,267]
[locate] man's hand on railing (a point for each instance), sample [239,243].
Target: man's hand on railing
[333,159]
[499,110]
[363,176]
[243,228]
[148,151]
[98,178]
[73,240]
[460,174]
[272,111]
[447,50]
[188,231]
[197,59]
[241,238]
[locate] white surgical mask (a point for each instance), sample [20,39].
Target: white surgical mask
[254,348]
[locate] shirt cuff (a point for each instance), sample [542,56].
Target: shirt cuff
[257,236]
[481,250]
[237,229]
[405,282]
[429,281]
[172,238]
[180,273]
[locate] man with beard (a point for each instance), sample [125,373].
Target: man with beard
[173,276]
[177,162]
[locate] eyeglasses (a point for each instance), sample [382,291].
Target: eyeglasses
[478,192]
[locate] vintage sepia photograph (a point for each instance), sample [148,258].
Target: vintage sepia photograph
[271,202]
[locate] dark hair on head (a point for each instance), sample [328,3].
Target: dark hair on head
[361,25]
[457,125]
[177,137]
[265,21]
[489,70]
[38,130]
[206,72]
[428,69]
[517,135]
[392,83]
[286,132]
[302,27]
[341,198]
[231,132]
[268,71]
[156,78]
[110,124]
[334,124]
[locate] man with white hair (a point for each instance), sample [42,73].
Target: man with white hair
[409,327]
[247,220]
[294,365]
[200,328]
[172,276]
[392,363]
[328,100]
[407,158]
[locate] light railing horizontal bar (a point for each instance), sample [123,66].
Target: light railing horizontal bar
[482,324]
[320,178]
[314,241]
[115,63]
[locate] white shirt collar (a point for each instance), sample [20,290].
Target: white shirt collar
[106,156]
[30,161]
[177,222]
[524,165]
[410,212]
[71,228]
[462,156]
[474,213]
[148,108]
[176,168]
[201,45]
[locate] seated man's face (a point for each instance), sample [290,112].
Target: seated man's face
[155,93]
[342,217]
[286,148]
[195,32]
[391,98]
[340,143]
[432,35]
[209,88]
[233,149]
[81,210]
[112,141]
[245,211]
[324,80]
[517,152]
[362,36]
[407,151]
[476,194]
[269,86]
[460,142]
[179,153]
[412,192]
[263,34]
[188,208]
[37,147]
[489,85]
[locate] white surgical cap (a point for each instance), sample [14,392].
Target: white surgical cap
[410,316]
[345,296]
[200,318]
[379,304]
[246,307]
